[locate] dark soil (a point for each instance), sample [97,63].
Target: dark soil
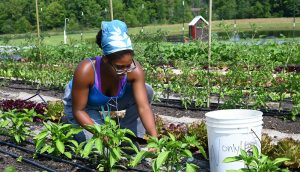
[7,161]
[271,121]
[22,166]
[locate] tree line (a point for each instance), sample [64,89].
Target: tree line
[19,16]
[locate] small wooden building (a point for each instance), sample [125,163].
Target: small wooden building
[198,28]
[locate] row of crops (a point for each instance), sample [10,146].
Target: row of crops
[104,150]
[240,75]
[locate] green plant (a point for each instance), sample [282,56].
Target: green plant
[106,142]
[55,110]
[16,123]
[60,135]
[199,130]
[296,102]
[288,148]
[256,162]
[160,126]
[267,148]
[20,159]
[10,169]
[170,153]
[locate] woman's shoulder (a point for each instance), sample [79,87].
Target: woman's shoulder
[84,66]
[137,73]
[84,71]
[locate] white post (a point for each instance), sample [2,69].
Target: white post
[41,21]
[294,23]
[81,34]
[142,18]
[183,21]
[105,10]
[65,31]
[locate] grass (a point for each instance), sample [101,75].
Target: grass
[271,24]
[242,25]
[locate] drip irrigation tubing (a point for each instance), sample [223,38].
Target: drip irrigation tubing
[75,156]
[24,88]
[289,100]
[59,159]
[169,102]
[28,161]
[47,156]
[29,83]
[175,103]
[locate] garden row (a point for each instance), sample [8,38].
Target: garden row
[240,76]
[110,145]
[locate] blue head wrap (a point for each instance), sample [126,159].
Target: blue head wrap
[114,37]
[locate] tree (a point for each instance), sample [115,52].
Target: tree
[243,9]
[22,25]
[54,15]
[225,9]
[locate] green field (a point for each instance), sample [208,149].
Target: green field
[56,37]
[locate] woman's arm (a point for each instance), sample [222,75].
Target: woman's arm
[140,94]
[83,77]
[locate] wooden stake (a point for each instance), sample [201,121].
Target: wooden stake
[37,22]
[209,52]
[111,10]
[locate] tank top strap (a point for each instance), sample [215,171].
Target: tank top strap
[95,72]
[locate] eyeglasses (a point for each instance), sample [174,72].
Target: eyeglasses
[122,69]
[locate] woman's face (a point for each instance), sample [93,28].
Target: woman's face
[123,64]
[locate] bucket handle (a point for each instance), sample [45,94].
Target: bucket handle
[251,130]
[256,135]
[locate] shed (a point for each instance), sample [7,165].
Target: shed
[198,28]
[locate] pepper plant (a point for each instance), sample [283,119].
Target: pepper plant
[59,137]
[170,153]
[256,162]
[106,142]
[16,123]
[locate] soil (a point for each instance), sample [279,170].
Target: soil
[271,121]
[22,166]
[7,161]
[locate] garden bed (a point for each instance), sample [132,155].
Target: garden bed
[271,121]
[8,161]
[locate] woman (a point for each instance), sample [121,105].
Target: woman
[112,82]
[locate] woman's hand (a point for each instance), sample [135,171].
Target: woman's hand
[152,150]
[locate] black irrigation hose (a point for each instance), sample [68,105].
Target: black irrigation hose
[47,156]
[30,83]
[28,161]
[75,156]
[82,159]
[171,106]
[24,88]
[170,103]
[174,103]
[58,159]
[134,169]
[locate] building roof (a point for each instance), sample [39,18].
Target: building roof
[196,19]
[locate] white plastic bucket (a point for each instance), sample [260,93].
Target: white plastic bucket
[229,131]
